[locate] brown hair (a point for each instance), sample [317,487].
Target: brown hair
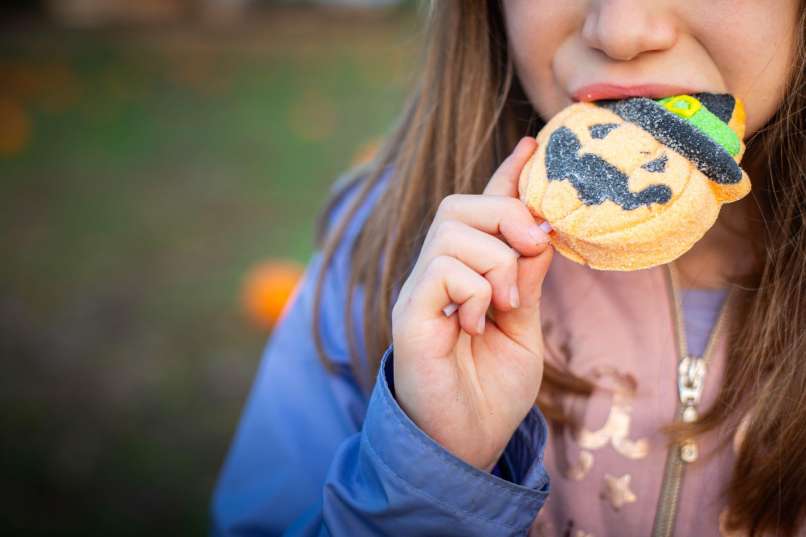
[465,113]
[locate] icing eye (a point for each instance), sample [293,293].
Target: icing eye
[600,130]
[657,165]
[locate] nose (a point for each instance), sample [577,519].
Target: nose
[625,29]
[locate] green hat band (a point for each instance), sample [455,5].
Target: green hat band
[692,110]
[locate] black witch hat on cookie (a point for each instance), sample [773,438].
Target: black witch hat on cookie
[706,128]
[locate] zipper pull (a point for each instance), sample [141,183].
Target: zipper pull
[690,384]
[690,377]
[688,449]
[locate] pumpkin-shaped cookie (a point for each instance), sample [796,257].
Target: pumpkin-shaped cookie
[635,183]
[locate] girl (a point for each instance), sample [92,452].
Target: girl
[448,439]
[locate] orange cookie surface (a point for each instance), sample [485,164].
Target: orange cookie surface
[632,184]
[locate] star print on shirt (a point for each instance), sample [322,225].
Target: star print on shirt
[617,491]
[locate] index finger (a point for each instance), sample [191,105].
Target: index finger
[504,181]
[496,215]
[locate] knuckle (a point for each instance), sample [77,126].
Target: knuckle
[507,259]
[448,204]
[511,258]
[441,240]
[447,229]
[438,266]
[485,290]
[516,208]
[513,207]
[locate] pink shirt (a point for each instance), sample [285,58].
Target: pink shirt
[618,329]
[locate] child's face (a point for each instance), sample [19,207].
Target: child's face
[580,50]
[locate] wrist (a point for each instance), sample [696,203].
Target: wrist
[489,466]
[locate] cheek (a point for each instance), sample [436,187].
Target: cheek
[536,29]
[754,50]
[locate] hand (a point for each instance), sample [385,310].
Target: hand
[466,380]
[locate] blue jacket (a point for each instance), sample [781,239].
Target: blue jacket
[314,455]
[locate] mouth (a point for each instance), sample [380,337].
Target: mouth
[600,92]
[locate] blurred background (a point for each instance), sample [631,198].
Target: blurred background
[161,165]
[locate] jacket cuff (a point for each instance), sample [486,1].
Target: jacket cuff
[447,480]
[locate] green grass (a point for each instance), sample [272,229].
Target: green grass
[161,164]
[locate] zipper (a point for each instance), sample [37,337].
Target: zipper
[691,372]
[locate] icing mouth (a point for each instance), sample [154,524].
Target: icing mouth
[595,179]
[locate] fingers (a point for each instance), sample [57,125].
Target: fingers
[504,181]
[470,256]
[495,215]
[447,280]
[499,211]
[531,275]
[483,253]
[523,324]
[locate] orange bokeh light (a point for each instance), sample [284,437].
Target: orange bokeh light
[15,127]
[267,288]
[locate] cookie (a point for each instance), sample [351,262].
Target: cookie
[634,183]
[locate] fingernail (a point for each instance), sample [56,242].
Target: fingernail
[545,226]
[450,309]
[514,297]
[538,234]
[480,326]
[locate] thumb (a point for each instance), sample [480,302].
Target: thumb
[504,181]
[522,324]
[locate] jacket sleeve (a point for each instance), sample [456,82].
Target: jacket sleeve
[313,457]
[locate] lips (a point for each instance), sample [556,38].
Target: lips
[599,92]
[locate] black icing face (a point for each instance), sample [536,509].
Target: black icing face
[657,165]
[595,179]
[601,130]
